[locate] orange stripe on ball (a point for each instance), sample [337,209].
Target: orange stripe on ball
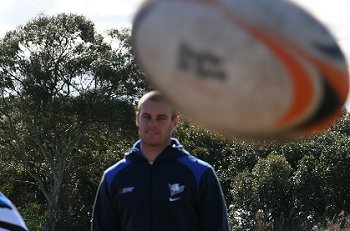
[300,78]
[338,78]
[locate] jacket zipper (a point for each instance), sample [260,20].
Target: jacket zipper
[151,198]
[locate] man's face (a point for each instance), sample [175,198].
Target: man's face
[155,124]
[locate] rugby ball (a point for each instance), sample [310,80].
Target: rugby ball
[242,66]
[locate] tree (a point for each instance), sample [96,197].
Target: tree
[334,169]
[308,186]
[272,185]
[55,84]
[244,201]
[118,70]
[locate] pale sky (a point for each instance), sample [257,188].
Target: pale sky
[105,14]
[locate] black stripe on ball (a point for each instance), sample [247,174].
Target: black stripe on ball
[332,51]
[329,104]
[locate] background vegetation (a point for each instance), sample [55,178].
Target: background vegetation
[67,99]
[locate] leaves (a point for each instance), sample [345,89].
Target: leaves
[54,95]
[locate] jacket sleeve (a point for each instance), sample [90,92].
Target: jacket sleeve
[212,206]
[105,215]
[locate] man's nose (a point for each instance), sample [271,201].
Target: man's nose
[152,122]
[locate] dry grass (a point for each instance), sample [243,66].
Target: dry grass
[339,223]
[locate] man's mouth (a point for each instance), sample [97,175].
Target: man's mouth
[151,132]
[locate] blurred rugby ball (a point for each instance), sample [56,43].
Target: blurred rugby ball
[243,66]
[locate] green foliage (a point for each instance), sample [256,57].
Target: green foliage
[261,195]
[54,94]
[244,203]
[300,184]
[343,124]
[34,215]
[101,147]
[118,69]
[272,184]
[334,167]
[308,188]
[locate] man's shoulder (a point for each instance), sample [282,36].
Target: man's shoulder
[113,170]
[187,158]
[197,166]
[193,161]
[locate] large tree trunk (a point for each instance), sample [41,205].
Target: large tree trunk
[51,217]
[53,202]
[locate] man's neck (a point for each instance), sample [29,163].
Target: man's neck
[151,152]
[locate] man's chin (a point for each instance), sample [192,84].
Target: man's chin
[151,139]
[154,142]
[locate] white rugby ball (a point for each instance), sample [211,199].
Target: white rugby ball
[242,66]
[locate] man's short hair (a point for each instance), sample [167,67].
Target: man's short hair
[156,96]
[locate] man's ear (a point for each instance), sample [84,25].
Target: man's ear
[176,122]
[137,117]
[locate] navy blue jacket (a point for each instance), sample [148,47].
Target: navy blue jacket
[178,192]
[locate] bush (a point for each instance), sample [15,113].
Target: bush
[34,215]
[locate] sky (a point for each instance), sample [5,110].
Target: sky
[106,14]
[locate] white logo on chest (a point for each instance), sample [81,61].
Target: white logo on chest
[175,189]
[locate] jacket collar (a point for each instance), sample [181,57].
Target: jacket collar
[173,151]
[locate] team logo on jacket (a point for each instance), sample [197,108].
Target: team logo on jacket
[175,190]
[125,190]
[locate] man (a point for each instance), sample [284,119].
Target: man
[10,219]
[159,186]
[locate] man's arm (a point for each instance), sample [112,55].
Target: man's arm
[105,216]
[212,207]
